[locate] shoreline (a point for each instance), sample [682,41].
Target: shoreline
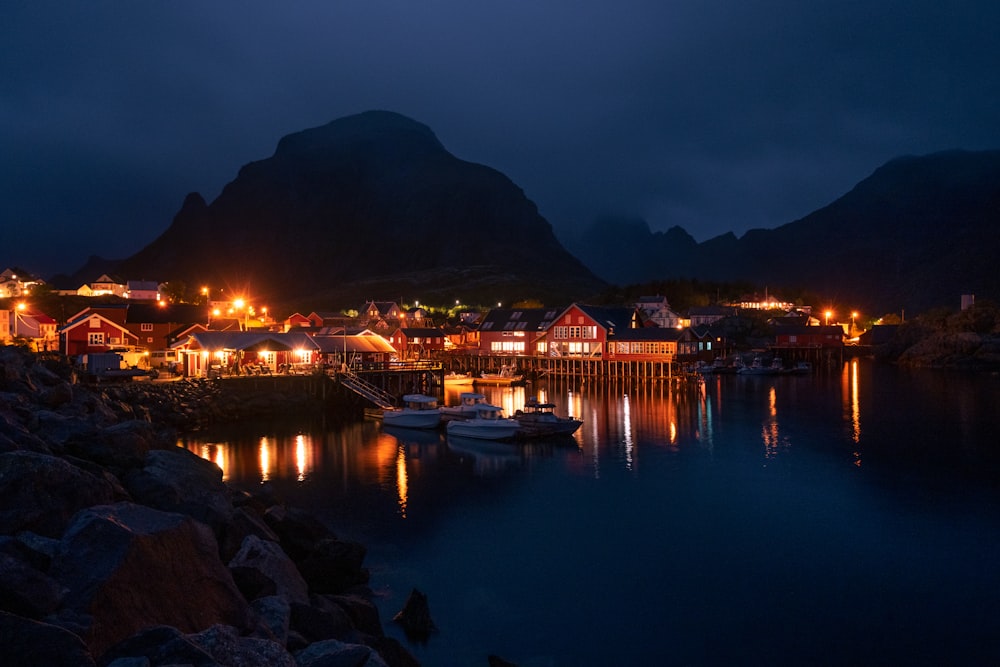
[118,545]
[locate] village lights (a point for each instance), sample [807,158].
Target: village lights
[828,315]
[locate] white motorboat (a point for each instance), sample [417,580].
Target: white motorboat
[488,424]
[418,411]
[468,404]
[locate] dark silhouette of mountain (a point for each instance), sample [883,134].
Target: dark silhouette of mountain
[916,234]
[367,206]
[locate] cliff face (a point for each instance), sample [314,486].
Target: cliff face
[917,233]
[369,205]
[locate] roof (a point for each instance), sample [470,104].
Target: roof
[423,332]
[245,340]
[519,319]
[608,317]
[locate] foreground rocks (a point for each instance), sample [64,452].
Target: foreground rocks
[119,548]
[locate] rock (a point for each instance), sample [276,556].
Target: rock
[224,644]
[363,614]
[244,522]
[41,493]
[28,643]
[128,567]
[318,622]
[333,653]
[299,531]
[26,591]
[415,617]
[274,617]
[177,480]
[268,558]
[120,447]
[159,645]
[334,566]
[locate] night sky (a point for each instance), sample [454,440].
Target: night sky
[713,115]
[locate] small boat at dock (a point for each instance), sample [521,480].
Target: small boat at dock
[418,411]
[468,405]
[507,376]
[539,420]
[454,378]
[488,424]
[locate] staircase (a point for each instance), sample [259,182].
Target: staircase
[367,390]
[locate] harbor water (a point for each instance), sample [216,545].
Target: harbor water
[851,516]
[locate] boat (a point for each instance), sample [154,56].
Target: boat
[539,420]
[757,367]
[800,368]
[418,411]
[468,403]
[488,424]
[507,376]
[458,378]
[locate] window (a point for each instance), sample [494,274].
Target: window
[560,332]
[95,323]
[146,326]
[95,338]
[589,333]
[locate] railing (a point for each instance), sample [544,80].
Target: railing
[379,397]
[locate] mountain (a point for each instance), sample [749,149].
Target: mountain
[915,234]
[367,206]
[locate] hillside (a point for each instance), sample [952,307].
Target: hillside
[367,206]
[915,234]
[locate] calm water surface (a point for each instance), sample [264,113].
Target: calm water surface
[852,517]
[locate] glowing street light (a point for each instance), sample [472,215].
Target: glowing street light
[828,315]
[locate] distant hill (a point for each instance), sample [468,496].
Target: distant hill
[367,206]
[915,234]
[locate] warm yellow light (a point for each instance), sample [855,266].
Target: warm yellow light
[238,304]
[21,306]
[216,312]
[204,290]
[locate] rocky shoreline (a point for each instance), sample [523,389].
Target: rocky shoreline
[121,549]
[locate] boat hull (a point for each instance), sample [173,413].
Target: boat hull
[412,419]
[484,429]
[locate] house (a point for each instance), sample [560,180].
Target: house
[152,324]
[142,290]
[38,329]
[657,310]
[373,311]
[707,315]
[417,342]
[645,343]
[15,282]
[517,331]
[94,333]
[108,285]
[803,336]
[583,331]
[296,321]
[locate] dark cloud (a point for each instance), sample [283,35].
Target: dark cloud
[716,116]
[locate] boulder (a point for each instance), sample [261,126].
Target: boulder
[225,644]
[28,643]
[177,480]
[25,590]
[41,493]
[128,567]
[273,615]
[334,566]
[415,617]
[159,645]
[333,653]
[120,447]
[270,560]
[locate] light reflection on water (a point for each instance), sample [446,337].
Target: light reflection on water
[737,509]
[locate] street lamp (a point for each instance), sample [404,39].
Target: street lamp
[854,316]
[828,314]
